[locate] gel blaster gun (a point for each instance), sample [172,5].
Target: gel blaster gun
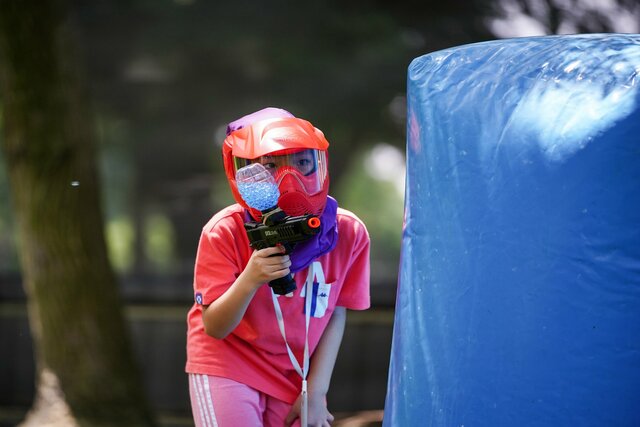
[258,189]
[277,228]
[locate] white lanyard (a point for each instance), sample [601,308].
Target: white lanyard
[305,360]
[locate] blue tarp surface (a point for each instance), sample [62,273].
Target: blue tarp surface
[519,290]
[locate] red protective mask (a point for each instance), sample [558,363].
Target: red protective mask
[294,199]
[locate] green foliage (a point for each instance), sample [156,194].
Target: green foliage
[117,178]
[159,242]
[116,165]
[378,201]
[120,235]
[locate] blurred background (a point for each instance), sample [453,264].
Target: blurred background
[166,76]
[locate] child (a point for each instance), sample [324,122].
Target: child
[255,358]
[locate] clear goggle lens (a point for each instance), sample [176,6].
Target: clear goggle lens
[309,166]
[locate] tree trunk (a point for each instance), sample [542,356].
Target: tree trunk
[80,337]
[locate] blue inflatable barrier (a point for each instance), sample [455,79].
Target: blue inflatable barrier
[519,289]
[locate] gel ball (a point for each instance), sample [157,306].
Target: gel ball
[519,289]
[257,187]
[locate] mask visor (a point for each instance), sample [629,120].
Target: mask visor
[308,165]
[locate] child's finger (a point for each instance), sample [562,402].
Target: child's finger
[271,260]
[274,260]
[266,252]
[280,273]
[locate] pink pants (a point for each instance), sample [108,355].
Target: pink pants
[221,402]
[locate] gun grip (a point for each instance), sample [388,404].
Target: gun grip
[283,285]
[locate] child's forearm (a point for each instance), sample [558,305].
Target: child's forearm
[325,355]
[224,314]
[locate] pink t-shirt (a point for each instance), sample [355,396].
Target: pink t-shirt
[255,353]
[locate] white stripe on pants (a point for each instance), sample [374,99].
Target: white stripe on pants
[201,394]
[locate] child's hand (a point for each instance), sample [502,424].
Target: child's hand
[317,413]
[264,266]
